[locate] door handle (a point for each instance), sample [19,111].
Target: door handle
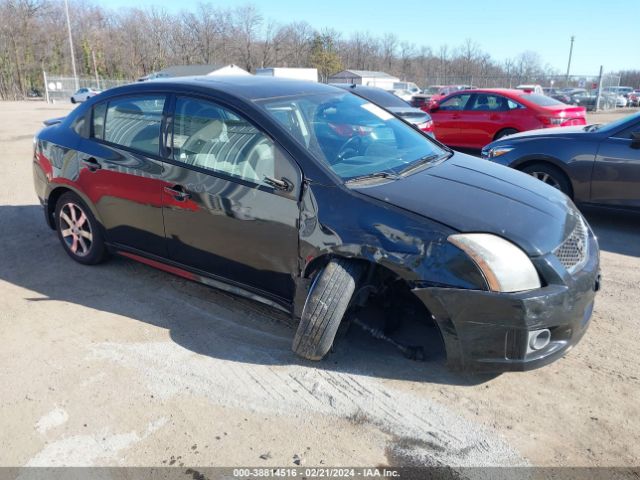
[178,193]
[455,116]
[92,164]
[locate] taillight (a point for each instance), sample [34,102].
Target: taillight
[426,126]
[551,121]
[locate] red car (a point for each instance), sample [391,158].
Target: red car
[474,118]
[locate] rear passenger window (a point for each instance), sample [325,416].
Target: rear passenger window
[209,136]
[134,122]
[97,121]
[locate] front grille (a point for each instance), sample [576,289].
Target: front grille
[572,253]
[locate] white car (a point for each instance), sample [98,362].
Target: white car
[403,94]
[621,101]
[531,88]
[83,94]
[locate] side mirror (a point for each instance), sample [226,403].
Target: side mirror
[434,108]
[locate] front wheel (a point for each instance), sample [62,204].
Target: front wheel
[505,132]
[328,300]
[550,175]
[78,230]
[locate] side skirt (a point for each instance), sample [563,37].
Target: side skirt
[201,277]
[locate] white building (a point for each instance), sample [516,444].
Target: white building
[365,77]
[195,70]
[310,74]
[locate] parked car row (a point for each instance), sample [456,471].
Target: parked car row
[320,202]
[473,118]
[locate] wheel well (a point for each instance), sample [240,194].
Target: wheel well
[51,204]
[495,137]
[548,163]
[385,290]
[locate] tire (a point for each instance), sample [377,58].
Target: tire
[328,300]
[78,230]
[550,175]
[505,132]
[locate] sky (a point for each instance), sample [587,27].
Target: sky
[604,32]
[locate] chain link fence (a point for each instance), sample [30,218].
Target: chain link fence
[60,89]
[587,85]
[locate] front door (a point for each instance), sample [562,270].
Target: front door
[616,172]
[231,207]
[448,117]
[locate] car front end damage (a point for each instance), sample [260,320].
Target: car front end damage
[489,331]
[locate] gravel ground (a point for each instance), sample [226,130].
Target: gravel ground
[121,364]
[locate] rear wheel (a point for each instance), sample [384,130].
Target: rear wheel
[505,132]
[328,300]
[78,230]
[550,175]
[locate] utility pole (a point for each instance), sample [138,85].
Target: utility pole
[569,63]
[95,69]
[73,55]
[598,96]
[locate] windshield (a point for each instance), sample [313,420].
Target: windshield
[352,136]
[621,122]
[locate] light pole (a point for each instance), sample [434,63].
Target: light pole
[73,56]
[569,63]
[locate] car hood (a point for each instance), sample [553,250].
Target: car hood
[473,195]
[546,132]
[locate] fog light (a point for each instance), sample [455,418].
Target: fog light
[539,339]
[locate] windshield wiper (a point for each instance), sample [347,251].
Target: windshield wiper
[418,163]
[592,128]
[374,175]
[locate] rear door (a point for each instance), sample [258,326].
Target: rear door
[231,204]
[616,172]
[448,117]
[121,171]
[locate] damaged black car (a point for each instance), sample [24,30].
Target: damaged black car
[317,202]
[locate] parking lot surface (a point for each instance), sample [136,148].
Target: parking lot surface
[121,364]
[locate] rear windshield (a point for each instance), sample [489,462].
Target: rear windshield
[382,98]
[541,100]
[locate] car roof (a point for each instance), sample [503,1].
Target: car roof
[247,87]
[503,91]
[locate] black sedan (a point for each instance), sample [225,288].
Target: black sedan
[421,119]
[320,203]
[597,164]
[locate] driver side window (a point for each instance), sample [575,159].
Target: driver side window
[211,137]
[457,102]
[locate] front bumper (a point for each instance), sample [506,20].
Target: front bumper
[489,332]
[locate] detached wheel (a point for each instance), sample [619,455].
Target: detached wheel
[78,230]
[505,132]
[550,175]
[327,302]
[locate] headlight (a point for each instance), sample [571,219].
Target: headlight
[496,152]
[505,267]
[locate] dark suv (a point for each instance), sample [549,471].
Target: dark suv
[317,202]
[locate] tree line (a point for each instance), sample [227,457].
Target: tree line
[129,43]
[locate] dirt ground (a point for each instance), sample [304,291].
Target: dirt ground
[121,364]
